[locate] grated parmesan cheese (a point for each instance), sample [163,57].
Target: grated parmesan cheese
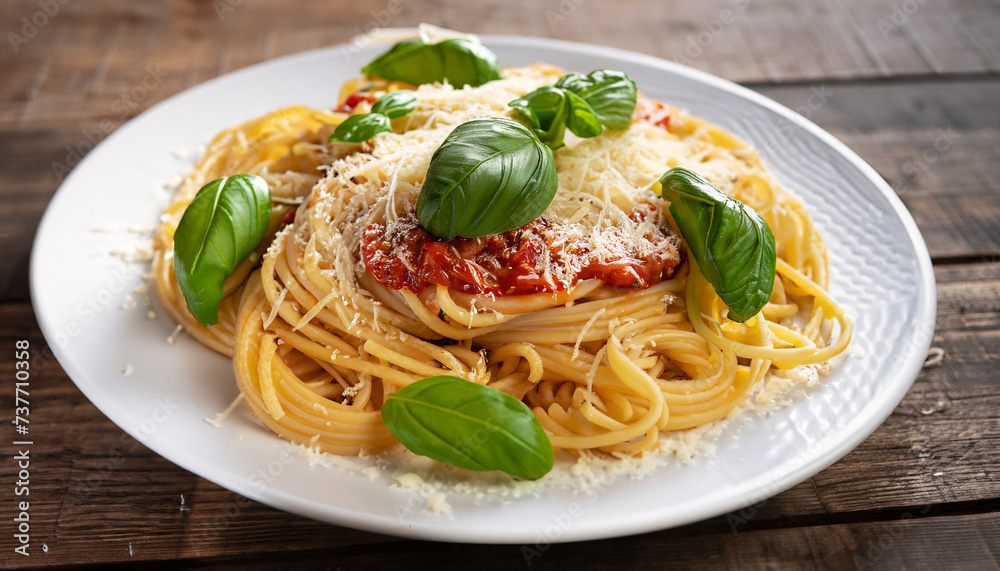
[138,252]
[438,503]
[219,418]
[173,336]
[275,307]
[409,481]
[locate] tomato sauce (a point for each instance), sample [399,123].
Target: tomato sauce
[652,112]
[355,99]
[531,259]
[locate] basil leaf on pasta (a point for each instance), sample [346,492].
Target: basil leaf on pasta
[396,104]
[546,111]
[221,227]
[488,176]
[732,245]
[610,94]
[585,105]
[472,426]
[549,111]
[458,61]
[359,128]
[581,119]
[363,126]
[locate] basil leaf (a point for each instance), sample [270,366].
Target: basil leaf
[550,110]
[361,127]
[396,104]
[221,227]
[488,176]
[731,243]
[611,94]
[581,119]
[583,104]
[469,425]
[457,60]
[396,50]
[546,111]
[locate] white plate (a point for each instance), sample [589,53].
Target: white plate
[881,273]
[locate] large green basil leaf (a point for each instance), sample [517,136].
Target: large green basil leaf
[611,94]
[224,223]
[731,243]
[468,425]
[361,127]
[396,104]
[488,176]
[457,60]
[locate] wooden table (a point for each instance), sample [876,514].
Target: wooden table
[912,86]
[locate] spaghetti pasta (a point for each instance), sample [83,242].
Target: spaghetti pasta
[318,342]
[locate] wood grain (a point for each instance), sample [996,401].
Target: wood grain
[79,64]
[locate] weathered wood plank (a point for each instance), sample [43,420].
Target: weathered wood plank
[936,143]
[947,180]
[903,542]
[866,107]
[90,474]
[87,57]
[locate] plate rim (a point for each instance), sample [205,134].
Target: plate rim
[926,305]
